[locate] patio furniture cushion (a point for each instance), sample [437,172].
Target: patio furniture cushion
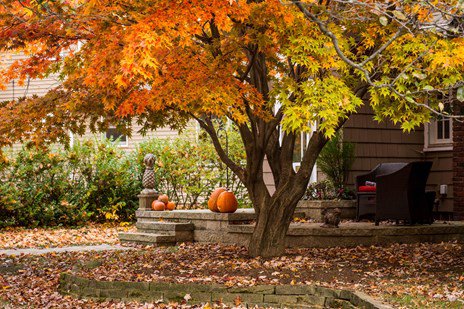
[367,189]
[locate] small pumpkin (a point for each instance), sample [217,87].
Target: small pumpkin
[227,202]
[163,198]
[158,206]
[170,206]
[212,202]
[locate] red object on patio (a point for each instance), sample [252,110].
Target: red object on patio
[367,189]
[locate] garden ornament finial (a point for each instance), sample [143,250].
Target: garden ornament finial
[148,180]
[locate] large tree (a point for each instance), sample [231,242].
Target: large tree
[272,67]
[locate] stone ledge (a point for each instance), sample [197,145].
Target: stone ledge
[314,209]
[270,295]
[241,214]
[354,234]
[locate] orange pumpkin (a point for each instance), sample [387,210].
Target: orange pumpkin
[226,202]
[158,206]
[212,202]
[163,198]
[170,206]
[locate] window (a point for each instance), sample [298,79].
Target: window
[439,134]
[300,146]
[114,134]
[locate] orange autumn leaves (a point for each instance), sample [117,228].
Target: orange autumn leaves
[120,60]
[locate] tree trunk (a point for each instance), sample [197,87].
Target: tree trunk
[273,220]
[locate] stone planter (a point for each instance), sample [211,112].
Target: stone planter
[314,209]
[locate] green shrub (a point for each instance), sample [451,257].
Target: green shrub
[36,189]
[91,181]
[97,181]
[325,190]
[336,159]
[105,181]
[188,170]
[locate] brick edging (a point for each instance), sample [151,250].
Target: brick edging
[290,296]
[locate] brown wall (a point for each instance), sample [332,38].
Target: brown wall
[458,165]
[386,142]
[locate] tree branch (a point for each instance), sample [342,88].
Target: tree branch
[208,126]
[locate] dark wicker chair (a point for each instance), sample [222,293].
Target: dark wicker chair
[367,200]
[400,193]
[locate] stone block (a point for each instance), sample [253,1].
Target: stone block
[89,292]
[294,289]
[146,199]
[147,238]
[345,294]
[326,292]
[74,288]
[258,289]
[144,295]
[190,288]
[184,236]
[142,286]
[81,282]
[113,293]
[295,299]
[178,296]
[165,226]
[301,306]
[339,303]
[103,284]
[360,299]
[65,277]
[230,298]
[314,208]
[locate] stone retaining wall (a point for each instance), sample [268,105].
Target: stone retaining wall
[311,235]
[287,296]
[314,209]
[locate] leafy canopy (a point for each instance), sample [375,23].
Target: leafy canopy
[161,62]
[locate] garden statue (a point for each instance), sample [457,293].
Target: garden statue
[332,217]
[148,180]
[148,194]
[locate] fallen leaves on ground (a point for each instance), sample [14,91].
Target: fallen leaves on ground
[429,274]
[15,238]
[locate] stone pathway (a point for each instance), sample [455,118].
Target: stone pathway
[38,251]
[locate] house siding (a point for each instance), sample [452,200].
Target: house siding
[31,87]
[386,142]
[40,87]
[137,138]
[458,170]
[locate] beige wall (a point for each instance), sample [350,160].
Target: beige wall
[41,86]
[137,138]
[31,87]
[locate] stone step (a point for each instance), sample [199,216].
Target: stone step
[147,238]
[182,231]
[164,226]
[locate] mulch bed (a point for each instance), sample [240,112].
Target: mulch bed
[428,275]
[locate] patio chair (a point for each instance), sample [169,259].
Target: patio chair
[366,195]
[399,193]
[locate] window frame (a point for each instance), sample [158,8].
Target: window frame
[122,144]
[431,142]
